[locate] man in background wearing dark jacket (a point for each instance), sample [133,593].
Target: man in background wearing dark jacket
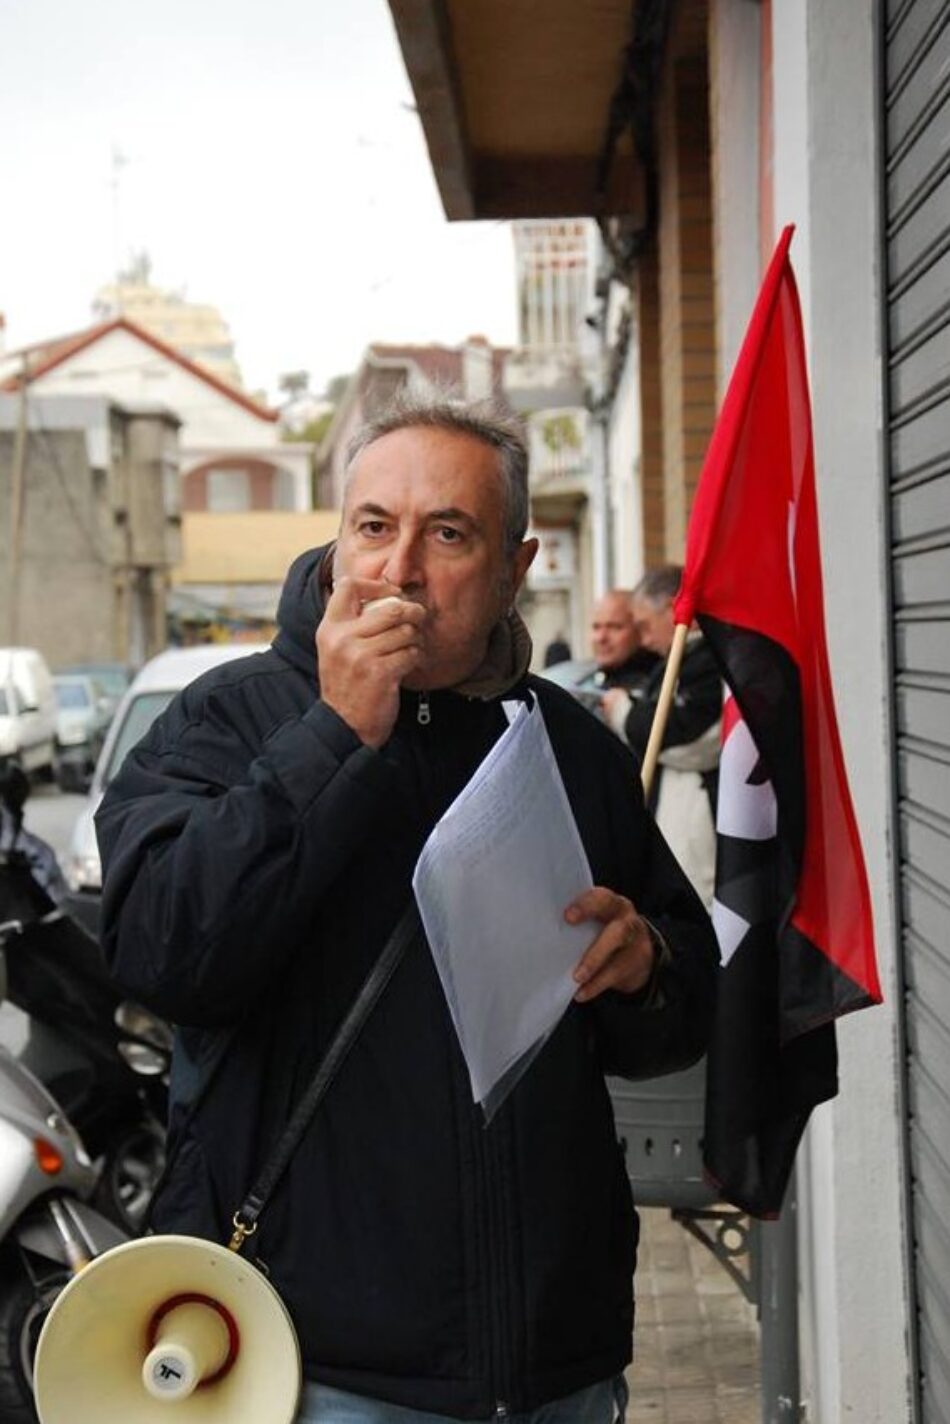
[259,845]
[683,794]
[621,659]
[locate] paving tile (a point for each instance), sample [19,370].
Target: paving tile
[679,1307]
[691,1406]
[697,1342]
[647,1407]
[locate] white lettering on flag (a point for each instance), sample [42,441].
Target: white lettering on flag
[746,808]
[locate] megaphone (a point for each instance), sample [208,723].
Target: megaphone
[168,1330]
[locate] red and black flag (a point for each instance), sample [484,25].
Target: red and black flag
[792,906]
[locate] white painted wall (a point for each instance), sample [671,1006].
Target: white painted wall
[131,371]
[854,1302]
[734,40]
[623,460]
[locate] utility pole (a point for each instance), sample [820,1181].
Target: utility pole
[119,161]
[17,502]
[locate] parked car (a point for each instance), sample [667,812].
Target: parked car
[150,693]
[83,715]
[578,676]
[112,679]
[27,710]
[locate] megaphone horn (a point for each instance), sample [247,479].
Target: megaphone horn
[193,1342]
[168,1321]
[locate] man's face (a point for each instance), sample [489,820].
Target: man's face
[424,511]
[654,624]
[613,633]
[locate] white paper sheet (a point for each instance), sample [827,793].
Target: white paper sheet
[492,884]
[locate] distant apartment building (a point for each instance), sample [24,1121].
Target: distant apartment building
[196,329]
[546,378]
[472,370]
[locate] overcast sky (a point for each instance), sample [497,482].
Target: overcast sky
[273,169]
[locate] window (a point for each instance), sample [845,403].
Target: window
[72,696]
[284,489]
[139,716]
[229,491]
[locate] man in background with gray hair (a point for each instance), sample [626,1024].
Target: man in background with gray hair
[259,846]
[684,791]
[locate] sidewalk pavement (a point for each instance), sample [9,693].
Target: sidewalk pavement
[696,1340]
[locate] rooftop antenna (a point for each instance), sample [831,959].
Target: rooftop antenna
[119,161]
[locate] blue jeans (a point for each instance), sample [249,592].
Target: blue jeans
[603,1403]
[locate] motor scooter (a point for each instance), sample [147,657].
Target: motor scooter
[48,1228]
[104,1059]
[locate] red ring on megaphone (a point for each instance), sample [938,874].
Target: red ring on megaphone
[191,1298]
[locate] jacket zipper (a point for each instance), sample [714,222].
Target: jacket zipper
[501,1285]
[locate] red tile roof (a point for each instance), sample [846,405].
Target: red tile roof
[46,355]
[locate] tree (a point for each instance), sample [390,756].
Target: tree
[294,384]
[559,433]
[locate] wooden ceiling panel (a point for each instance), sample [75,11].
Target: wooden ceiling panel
[537,75]
[514,98]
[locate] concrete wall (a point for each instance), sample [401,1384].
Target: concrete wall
[65,590]
[249,547]
[734,95]
[623,443]
[854,1318]
[99,527]
[646,334]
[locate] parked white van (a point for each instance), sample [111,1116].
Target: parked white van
[27,710]
[151,691]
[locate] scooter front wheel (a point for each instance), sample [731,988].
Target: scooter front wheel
[24,1306]
[132,1166]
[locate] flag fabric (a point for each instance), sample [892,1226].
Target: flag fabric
[792,907]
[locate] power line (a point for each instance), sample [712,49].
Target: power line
[53,453]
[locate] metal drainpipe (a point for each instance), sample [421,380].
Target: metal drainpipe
[778,1313]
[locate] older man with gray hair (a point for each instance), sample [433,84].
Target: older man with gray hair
[683,795]
[259,846]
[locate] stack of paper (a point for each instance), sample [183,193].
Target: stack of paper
[492,884]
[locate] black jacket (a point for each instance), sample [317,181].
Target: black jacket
[696,706]
[257,856]
[634,673]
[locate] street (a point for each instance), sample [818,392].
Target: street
[51,815]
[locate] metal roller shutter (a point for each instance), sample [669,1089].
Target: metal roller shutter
[917,226]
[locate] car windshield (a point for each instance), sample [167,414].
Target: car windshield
[140,713]
[4,704]
[71,695]
[113,681]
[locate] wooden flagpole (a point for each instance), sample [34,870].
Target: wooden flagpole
[668,687]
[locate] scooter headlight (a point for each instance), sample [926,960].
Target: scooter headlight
[84,872]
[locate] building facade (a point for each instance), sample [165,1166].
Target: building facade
[196,329]
[223,430]
[719,122]
[546,379]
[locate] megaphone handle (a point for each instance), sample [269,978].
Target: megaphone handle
[246,1218]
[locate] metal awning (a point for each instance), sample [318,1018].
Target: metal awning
[515,101]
